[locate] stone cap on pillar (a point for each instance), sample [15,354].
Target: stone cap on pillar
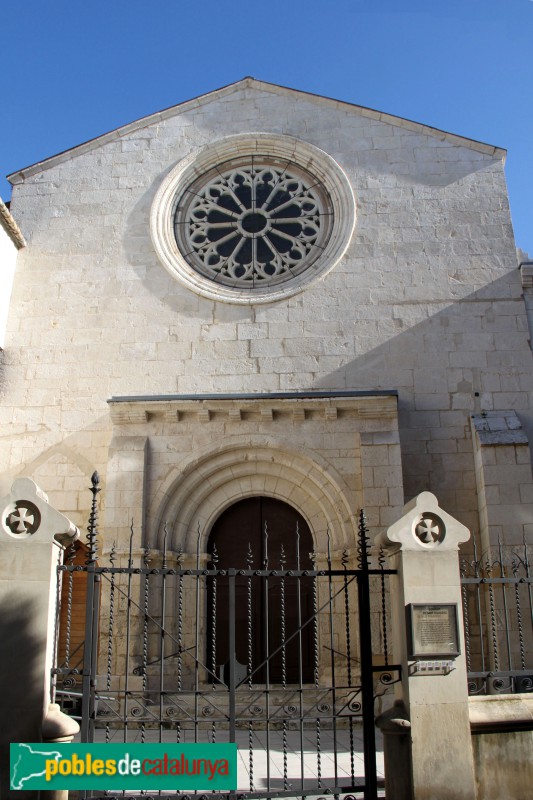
[425,527]
[26,515]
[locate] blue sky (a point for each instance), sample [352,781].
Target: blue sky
[72,71]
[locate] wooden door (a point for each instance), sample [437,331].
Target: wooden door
[262,526]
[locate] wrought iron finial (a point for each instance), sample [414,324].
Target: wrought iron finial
[113,554]
[265,540]
[463,568]
[146,557]
[500,556]
[214,557]
[130,552]
[249,556]
[165,530]
[198,535]
[70,553]
[384,634]
[344,559]
[364,540]
[92,528]
[282,557]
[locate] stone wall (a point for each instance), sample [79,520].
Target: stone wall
[502,739]
[11,240]
[180,463]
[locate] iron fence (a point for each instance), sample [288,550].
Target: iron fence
[498,620]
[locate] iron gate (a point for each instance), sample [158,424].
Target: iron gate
[151,669]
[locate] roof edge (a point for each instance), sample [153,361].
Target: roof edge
[392,119]
[117,133]
[10,226]
[249,82]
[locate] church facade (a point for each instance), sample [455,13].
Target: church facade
[266,294]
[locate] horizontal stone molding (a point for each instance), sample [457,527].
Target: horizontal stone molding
[499,713]
[131,411]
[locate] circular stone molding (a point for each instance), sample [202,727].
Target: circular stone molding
[253,218]
[429,529]
[21,519]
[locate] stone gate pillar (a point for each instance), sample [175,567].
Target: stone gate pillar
[31,537]
[428,642]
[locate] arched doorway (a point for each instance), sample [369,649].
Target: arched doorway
[272,615]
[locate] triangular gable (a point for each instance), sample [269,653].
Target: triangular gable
[252,83]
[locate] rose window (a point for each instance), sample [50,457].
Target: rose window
[253,222]
[252,218]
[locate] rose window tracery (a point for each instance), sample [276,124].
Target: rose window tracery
[253,221]
[253,218]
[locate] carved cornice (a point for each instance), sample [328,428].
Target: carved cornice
[265,408]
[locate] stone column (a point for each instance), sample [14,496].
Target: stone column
[125,489]
[31,537]
[423,547]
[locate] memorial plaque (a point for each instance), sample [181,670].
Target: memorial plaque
[432,630]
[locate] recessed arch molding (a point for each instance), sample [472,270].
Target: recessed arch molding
[193,498]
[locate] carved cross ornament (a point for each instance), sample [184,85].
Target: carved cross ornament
[27,515]
[430,529]
[24,519]
[425,526]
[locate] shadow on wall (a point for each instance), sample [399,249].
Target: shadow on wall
[360,162]
[449,356]
[21,685]
[2,369]
[468,356]
[63,471]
